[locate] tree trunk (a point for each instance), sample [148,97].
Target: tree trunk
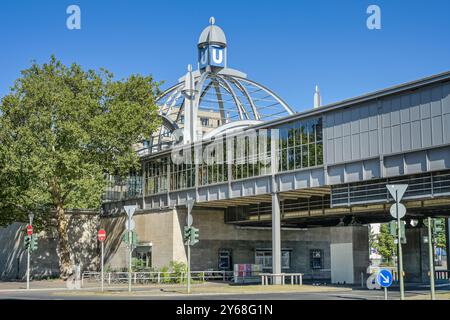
[63,244]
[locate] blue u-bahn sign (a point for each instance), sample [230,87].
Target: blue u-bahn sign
[384,278]
[211,55]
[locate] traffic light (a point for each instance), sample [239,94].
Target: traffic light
[134,238]
[393,230]
[186,235]
[193,236]
[34,242]
[27,242]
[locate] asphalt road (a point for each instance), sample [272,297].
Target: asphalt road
[334,295]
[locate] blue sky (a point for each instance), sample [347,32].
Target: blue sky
[288,46]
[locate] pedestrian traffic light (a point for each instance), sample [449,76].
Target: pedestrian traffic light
[193,236]
[34,243]
[27,242]
[186,235]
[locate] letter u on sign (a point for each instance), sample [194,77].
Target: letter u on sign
[217,55]
[204,57]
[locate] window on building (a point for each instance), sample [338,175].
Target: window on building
[156,176]
[225,259]
[316,258]
[204,121]
[142,257]
[264,258]
[214,169]
[301,144]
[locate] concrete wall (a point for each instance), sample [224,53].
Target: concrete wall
[44,261]
[161,229]
[164,230]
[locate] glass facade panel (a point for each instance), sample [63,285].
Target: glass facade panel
[301,145]
[155,174]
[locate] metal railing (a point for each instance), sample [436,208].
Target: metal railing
[424,185]
[442,274]
[268,278]
[155,277]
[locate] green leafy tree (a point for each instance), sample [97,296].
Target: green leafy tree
[384,244]
[62,129]
[439,233]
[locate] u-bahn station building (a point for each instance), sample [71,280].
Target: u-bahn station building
[293,192]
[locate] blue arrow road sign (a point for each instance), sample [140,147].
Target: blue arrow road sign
[384,278]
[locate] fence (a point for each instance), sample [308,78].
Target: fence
[156,277]
[267,278]
[442,274]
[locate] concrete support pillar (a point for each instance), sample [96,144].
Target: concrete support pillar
[415,256]
[276,237]
[276,215]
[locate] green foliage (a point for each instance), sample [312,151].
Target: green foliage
[165,274]
[178,269]
[439,233]
[62,129]
[384,244]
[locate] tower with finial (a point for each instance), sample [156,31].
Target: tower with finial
[212,48]
[317,98]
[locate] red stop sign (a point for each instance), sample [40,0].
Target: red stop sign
[29,230]
[101,235]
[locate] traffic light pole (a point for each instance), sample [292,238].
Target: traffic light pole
[28,266]
[400,255]
[431,259]
[188,268]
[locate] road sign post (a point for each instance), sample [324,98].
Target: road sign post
[397,191]
[384,279]
[130,212]
[29,248]
[400,255]
[102,238]
[28,266]
[431,258]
